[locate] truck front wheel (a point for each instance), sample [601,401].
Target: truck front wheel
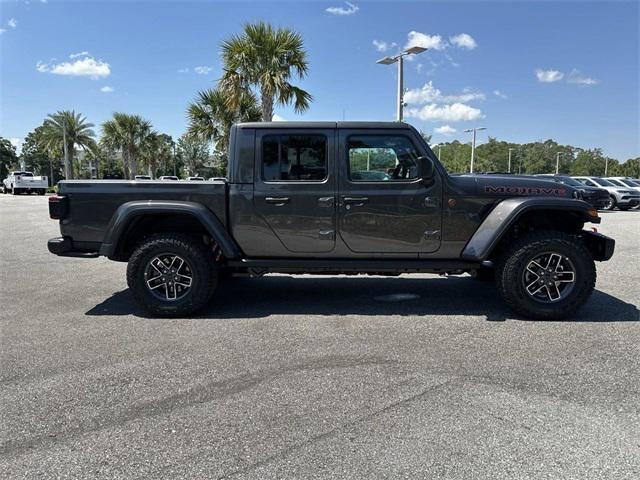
[172,275]
[546,275]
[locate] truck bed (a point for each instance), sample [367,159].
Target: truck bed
[92,203]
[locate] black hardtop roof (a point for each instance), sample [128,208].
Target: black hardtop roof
[359,125]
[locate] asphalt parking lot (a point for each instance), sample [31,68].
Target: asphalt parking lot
[312,377]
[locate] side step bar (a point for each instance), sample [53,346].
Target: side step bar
[303,265]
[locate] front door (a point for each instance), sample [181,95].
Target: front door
[294,188]
[384,205]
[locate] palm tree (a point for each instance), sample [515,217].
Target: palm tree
[156,150]
[210,118]
[64,130]
[128,134]
[265,58]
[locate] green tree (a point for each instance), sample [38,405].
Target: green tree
[210,118]
[38,158]
[8,157]
[193,153]
[156,152]
[266,59]
[126,133]
[64,130]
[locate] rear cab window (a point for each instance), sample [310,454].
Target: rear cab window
[294,157]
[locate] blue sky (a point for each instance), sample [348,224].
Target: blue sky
[525,70]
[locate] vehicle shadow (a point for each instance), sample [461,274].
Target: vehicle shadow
[375,296]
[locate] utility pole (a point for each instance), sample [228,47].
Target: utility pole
[558,162]
[399,60]
[67,167]
[473,144]
[174,159]
[509,166]
[439,152]
[606,165]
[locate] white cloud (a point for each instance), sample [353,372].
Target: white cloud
[2,30]
[13,23]
[456,112]
[106,89]
[576,77]
[350,10]
[79,54]
[278,118]
[43,1]
[418,39]
[383,46]
[499,94]
[202,69]
[17,143]
[463,40]
[83,65]
[183,70]
[549,76]
[445,130]
[428,93]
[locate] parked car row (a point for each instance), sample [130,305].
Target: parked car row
[174,178]
[621,195]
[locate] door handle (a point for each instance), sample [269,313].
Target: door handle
[430,202]
[356,201]
[279,201]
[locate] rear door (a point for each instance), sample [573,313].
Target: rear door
[295,187]
[384,206]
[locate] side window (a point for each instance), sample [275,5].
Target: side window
[294,157]
[590,183]
[381,158]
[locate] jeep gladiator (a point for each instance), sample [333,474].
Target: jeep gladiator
[335,198]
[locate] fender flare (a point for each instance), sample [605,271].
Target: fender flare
[129,211]
[507,212]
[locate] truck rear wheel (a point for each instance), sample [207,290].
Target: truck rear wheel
[546,275]
[172,275]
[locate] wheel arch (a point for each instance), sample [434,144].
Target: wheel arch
[511,217]
[136,219]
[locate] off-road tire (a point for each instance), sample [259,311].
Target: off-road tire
[513,262]
[203,269]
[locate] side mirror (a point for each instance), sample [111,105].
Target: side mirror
[426,168]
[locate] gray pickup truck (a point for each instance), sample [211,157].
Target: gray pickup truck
[335,198]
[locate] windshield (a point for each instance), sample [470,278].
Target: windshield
[570,181]
[630,183]
[617,183]
[603,182]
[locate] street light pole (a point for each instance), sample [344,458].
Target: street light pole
[509,166]
[558,162]
[473,145]
[67,169]
[399,60]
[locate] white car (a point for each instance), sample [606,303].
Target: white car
[172,178]
[25,182]
[195,179]
[624,182]
[624,198]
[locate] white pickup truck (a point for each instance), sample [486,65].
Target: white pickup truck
[25,182]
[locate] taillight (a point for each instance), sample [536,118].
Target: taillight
[57,207]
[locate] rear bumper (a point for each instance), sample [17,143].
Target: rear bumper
[600,246]
[63,247]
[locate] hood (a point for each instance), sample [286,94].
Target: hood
[521,186]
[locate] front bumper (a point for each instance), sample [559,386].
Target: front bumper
[600,246]
[63,247]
